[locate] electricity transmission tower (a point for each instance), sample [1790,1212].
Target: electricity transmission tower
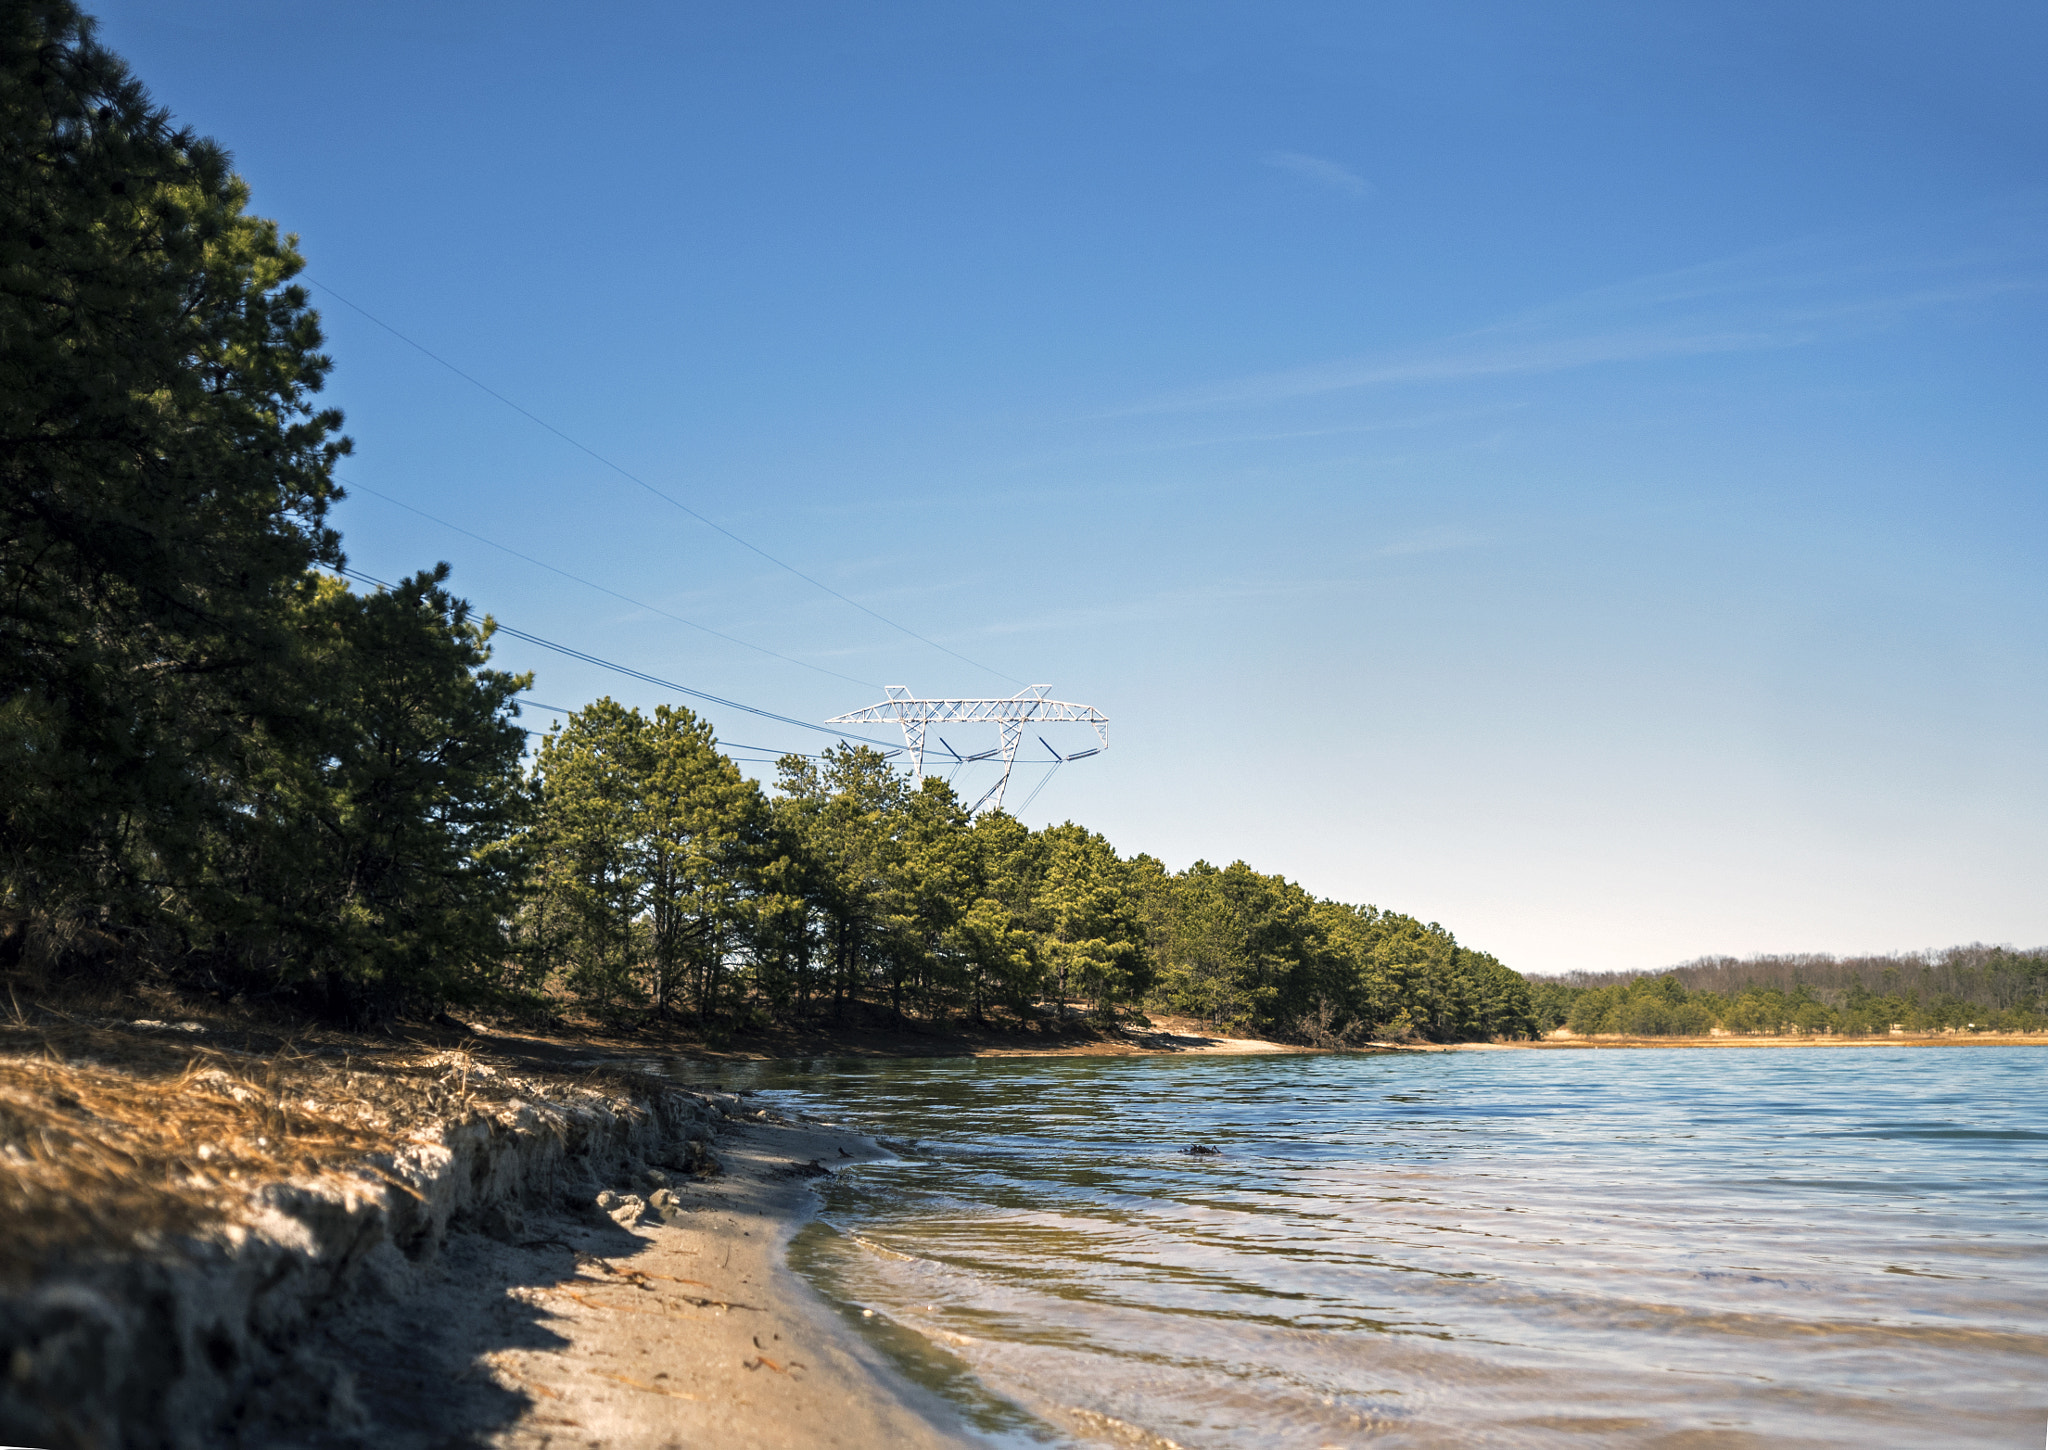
[1027,707]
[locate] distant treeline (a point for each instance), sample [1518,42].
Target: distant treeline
[1989,988]
[220,762]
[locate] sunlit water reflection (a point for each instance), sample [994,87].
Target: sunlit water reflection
[1722,1247]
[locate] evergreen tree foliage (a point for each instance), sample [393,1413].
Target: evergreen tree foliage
[212,756]
[165,475]
[651,857]
[374,854]
[1095,939]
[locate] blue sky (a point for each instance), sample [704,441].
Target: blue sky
[1573,472]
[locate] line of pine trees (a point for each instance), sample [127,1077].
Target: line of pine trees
[668,882]
[219,761]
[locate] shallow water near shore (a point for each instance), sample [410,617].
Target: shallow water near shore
[1659,1247]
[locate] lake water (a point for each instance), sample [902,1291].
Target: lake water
[1719,1247]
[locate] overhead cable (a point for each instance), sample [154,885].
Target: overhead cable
[1042,784]
[669,499]
[354,484]
[632,673]
[723,743]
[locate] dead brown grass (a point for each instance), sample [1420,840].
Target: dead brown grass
[114,1134]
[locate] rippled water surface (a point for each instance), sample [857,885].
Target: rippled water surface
[1727,1247]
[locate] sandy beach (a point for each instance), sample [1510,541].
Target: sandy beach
[685,1328]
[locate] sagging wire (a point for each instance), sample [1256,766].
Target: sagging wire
[666,498]
[627,670]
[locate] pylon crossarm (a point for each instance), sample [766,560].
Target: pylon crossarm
[1028,706]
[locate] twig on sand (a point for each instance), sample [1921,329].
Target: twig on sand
[635,1276]
[643,1385]
[690,1299]
[593,1304]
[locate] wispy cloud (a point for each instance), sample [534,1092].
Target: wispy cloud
[1474,355]
[1320,171]
[1401,424]
[1755,302]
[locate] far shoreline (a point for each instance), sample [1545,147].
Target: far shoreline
[1922,1039]
[1164,1035]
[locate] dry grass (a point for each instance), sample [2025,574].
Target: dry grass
[114,1134]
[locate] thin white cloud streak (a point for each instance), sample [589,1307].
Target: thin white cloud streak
[1320,171]
[1290,435]
[1455,365]
[1753,302]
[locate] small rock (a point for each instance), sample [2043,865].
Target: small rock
[654,1178]
[627,1209]
[664,1202]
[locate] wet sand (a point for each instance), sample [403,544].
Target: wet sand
[688,1331]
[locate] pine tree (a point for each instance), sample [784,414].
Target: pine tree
[593,888]
[377,851]
[698,832]
[164,478]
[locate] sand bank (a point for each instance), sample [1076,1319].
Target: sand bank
[685,1327]
[218,1239]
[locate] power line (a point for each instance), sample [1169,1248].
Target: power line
[632,673]
[768,750]
[602,589]
[1042,784]
[643,483]
[629,671]
[773,755]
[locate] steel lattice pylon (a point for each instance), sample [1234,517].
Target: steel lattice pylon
[1027,707]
